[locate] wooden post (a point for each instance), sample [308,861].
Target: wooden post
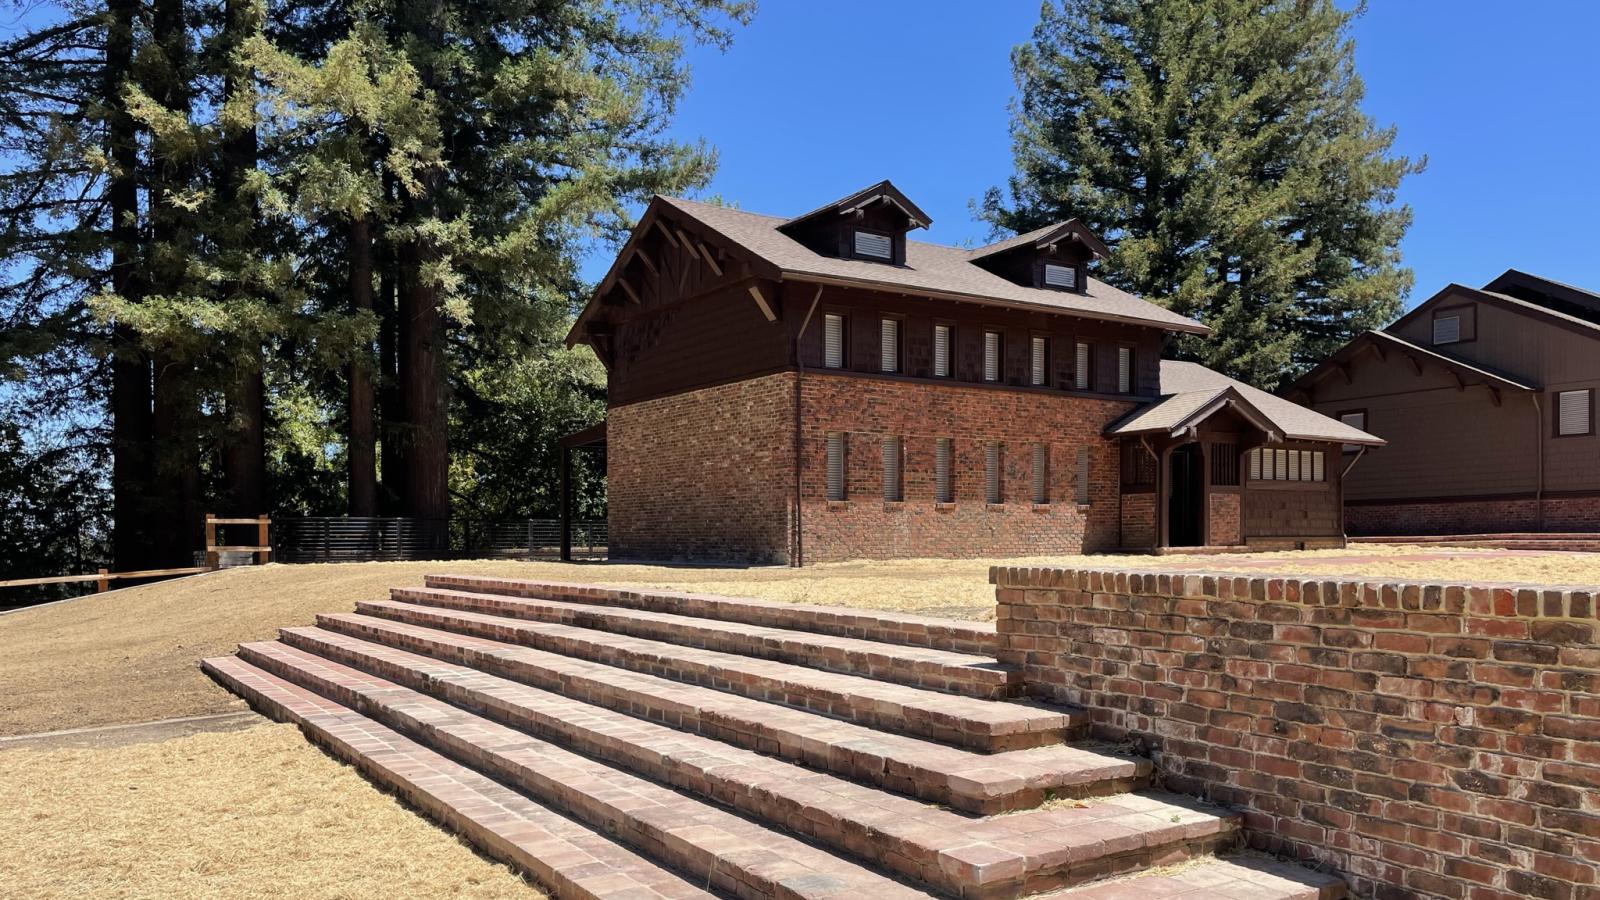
[104,583]
[262,541]
[566,504]
[212,561]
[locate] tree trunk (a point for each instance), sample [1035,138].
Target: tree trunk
[244,461]
[393,415]
[363,476]
[130,367]
[422,388]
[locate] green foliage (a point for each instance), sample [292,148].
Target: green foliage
[1220,149]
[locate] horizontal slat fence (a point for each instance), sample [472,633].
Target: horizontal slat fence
[346,539]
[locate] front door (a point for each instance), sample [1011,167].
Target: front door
[1185,502]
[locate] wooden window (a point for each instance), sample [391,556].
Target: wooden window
[893,491]
[1138,466]
[941,351]
[991,356]
[1083,475]
[1060,276]
[1317,471]
[1041,473]
[889,337]
[944,452]
[833,341]
[1225,464]
[1039,361]
[836,484]
[1446,329]
[877,246]
[991,472]
[1083,368]
[1574,413]
[1355,418]
[1286,465]
[1255,464]
[1124,370]
[1280,465]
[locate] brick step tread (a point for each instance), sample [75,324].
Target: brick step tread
[886,626]
[940,670]
[564,857]
[984,725]
[702,841]
[966,780]
[995,856]
[1237,878]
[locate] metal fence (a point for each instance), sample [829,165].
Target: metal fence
[346,539]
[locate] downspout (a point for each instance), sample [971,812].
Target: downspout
[799,373]
[1538,485]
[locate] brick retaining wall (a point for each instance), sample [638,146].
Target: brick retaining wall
[1422,739]
[1470,516]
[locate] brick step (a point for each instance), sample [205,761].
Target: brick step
[704,843]
[566,858]
[1000,856]
[984,725]
[1243,878]
[968,781]
[869,624]
[936,670]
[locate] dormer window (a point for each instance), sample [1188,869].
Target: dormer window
[1062,277]
[873,245]
[1050,258]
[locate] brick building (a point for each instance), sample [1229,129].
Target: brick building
[820,388]
[1486,397]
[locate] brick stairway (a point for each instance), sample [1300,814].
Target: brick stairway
[638,743]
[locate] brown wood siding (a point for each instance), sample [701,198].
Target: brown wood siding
[1291,511]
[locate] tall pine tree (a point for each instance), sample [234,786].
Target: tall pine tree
[1220,148]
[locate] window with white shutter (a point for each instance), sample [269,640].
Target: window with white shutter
[1356,419]
[1317,472]
[1573,412]
[1083,475]
[1446,329]
[944,452]
[1083,368]
[941,351]
[836,486]
[1038,361]
[877,246]
[892,486]
[1041,473]
[991,472]
[1280,465]
[991,356]
[1294,466]
[889,336]
[1255,464]
[1287,465]
[1060,276]
[833,341]
[1124,370]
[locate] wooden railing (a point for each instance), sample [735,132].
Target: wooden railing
[262,548]
[103,578]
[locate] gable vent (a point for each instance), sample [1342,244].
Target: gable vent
[878,246]
[1447,329]
[1573,409]
[1060,276]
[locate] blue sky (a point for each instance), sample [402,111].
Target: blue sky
[1503,100]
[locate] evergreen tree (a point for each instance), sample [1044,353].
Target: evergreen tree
[1220,149]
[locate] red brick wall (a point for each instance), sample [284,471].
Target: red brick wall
[704,475]
[868,409]
[1139,520]
[1424,740]
[1473,516]
[1224,519]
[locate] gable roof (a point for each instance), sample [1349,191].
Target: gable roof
[1504,301]
[931,270]
[1072,229]
[1191,393]
[883,191]
[1467,373]
[1546,292]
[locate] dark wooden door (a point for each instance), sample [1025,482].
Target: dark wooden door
[1185,515]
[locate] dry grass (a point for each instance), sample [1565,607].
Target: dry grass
[129,656]
[253,813]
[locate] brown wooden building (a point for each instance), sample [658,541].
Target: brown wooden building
[1486,397]
[820,388]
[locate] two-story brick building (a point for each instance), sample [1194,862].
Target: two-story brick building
[820,387]
[1486,397]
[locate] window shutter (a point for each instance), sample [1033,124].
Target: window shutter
[1280,465]
[1038,373]
[1573,409]
[991,356]
[891,470]
[1294,466]
[1041,473]
[875,245]
[835,466]
[1124,370]
[1446,329]
[1081,375]
[833,341]
[1060,276]
[991,472]
[941,351]
[1255,464]
[889,334]
[943,487]
[1083,474]
[1317,472]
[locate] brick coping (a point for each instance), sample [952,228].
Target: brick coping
[1504,600]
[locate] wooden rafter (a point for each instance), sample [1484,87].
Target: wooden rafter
[666,233]
[710,260]
[649,263]
[761,301]
[628,289]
